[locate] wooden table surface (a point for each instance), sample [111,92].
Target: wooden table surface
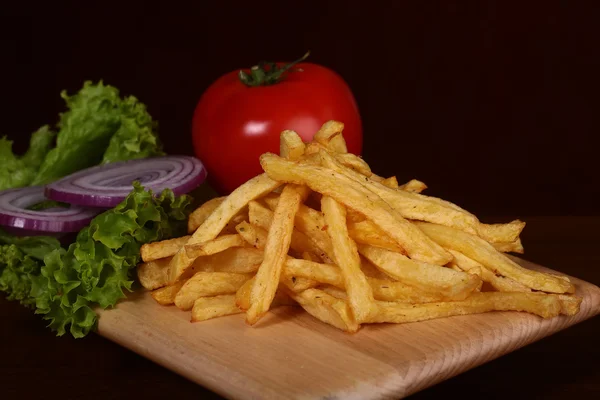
[565,364]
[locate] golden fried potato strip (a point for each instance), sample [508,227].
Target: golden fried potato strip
[327,308]
[206,284]
[276,250]
[535,303]
[360,294]
[485,254]
[163,249]
[205,308]
[200,214]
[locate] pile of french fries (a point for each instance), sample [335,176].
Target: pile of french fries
[318,229]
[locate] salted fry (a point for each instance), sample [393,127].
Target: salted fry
[485,254]
[326,308]
[214,246]
[253,235]
[239,260]
[200,214]
[276,249]
[534,303]
[330,136]
[366,232]
[427,277]
[163,249]
[501,233]
[569,304]
[219,218]
[355,162]
[166,295]
[360,294]
[390,182]
[353,195]
[291,145]
[213,307]
[510,247]
[500,283]
[153,274]
[205,284]
[414,185]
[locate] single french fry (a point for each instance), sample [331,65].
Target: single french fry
[354,216]
[276,249]
[569,304]
[510,247]
[360,294]
[205,308]
[330,136]
[214,246]
[367,232]
[219,218]
[535,303]
[485,254]
[206,284]
[355,196]
[500,283]
[200,214]
[163,249]
[355,162]
[453,285]
[390,182]
[153,274]
[239,260]
[166,295]
[501,233]
[253,235]
[327,308]
[291,145]
[414,186]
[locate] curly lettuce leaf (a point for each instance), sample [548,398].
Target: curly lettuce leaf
[21,260]
[95,270]
[136,136]
[85,131]
[20,171]
[99,127]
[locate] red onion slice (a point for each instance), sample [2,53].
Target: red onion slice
[15,215]
[107,185]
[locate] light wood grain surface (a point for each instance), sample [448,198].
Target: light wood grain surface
[291,355]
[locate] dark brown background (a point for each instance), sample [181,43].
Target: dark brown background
[492,104]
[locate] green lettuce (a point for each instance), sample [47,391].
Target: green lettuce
[96,269]
[20,171]
[98,127]
[21,258]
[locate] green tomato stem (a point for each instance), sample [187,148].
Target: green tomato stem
[267,73]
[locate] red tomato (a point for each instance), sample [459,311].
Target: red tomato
[234,123]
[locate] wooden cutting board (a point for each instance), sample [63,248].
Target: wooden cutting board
[291,355]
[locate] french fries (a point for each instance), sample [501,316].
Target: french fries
[276,249]
[163,249]
[321,230]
